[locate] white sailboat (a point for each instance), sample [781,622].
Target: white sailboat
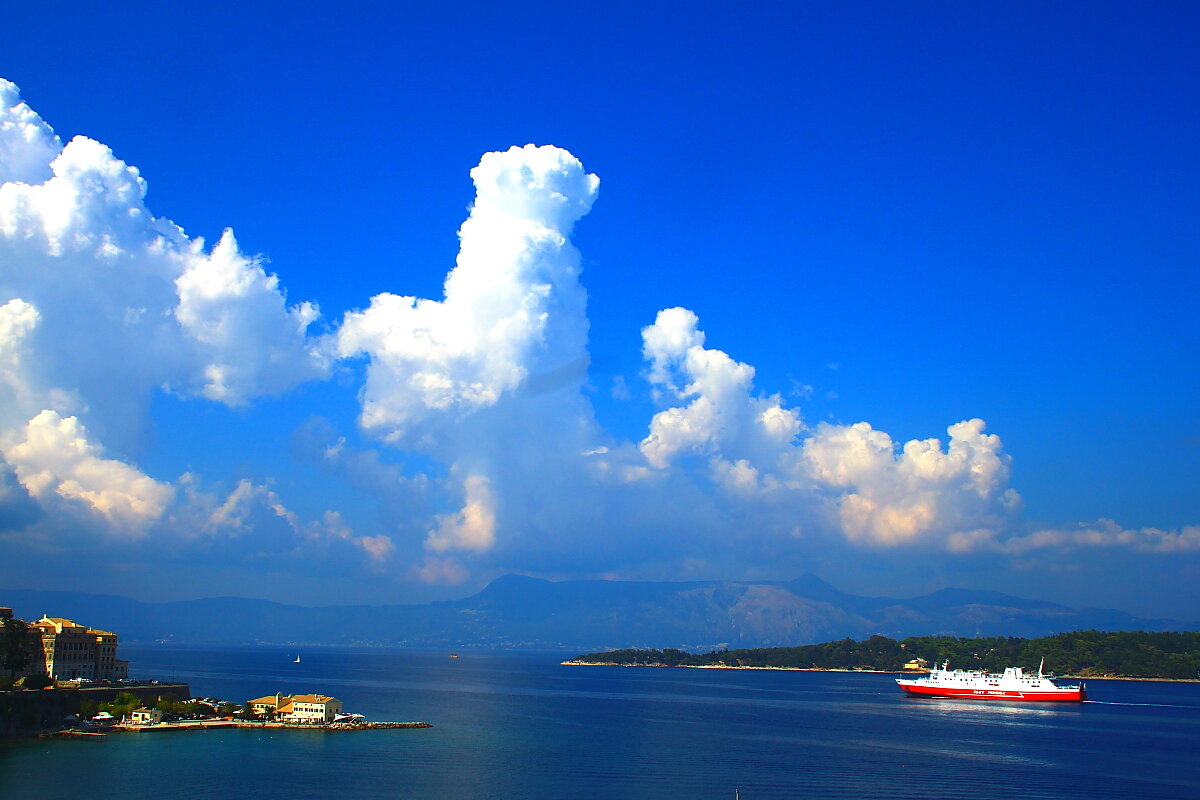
[297,661]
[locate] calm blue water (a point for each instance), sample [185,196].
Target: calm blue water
[522,726]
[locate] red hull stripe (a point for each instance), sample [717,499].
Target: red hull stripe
[1064,696]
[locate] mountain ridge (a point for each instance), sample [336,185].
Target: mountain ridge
[518,611]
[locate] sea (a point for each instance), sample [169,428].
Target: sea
[522,725]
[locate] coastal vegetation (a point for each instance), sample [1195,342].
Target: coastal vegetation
[1136,654]
[125,702]
[14,656]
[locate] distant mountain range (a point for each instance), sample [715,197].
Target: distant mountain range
[520,612]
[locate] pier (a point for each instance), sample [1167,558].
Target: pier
[94,736]
[225,724]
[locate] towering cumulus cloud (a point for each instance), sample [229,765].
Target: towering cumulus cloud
[487,378]
[513,304]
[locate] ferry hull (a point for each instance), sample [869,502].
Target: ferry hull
[1071,695]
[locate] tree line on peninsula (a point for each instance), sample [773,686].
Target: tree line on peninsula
[1135,654]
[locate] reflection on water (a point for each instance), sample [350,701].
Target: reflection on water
[989,711]
[969,751]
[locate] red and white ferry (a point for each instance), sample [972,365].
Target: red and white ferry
[1012,684]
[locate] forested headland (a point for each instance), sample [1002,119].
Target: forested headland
[1135,654]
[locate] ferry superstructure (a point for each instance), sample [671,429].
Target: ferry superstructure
[1012,684]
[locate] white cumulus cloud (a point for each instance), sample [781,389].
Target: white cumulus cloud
[471,528]
[252,341]
[127,298]
[1102,533]
[102,304]
[755,445]
[27,144]
[722,414]
[513,303]
[55,461]
[886,497]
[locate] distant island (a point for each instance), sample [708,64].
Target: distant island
[1136,654]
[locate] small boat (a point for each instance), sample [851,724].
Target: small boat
[454,655]
[1012,684]
[297,661]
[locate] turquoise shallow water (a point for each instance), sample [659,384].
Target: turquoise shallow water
[520,725]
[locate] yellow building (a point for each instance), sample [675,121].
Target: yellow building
[271,704]
[108,666]
[71,650]
[311,709]
[145,716]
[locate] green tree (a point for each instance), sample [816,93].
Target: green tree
[14,655]
[169,705]
[203,709]
[122,705]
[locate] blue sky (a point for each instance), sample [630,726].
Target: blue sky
[904,214]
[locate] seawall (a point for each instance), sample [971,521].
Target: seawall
[147,693]
[30,712]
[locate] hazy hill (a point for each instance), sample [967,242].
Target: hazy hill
[517,611]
